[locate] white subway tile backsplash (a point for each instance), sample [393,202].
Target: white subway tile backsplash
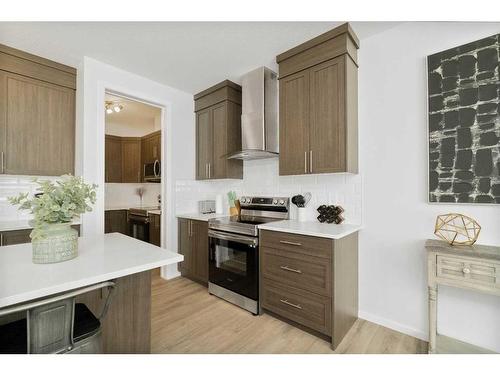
[261,177]
[11,185]
[125,195]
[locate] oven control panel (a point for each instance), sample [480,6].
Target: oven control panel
[264,201]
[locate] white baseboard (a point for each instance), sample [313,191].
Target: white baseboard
[170,272]
[394,325]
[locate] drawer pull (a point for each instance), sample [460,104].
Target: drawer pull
[291,243]
[466,270]
[286,268]
[290,304]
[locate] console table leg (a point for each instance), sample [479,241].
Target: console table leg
[432,318]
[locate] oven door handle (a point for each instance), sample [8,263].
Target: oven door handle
[234,237]
[138,219]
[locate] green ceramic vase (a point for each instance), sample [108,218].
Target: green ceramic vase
[59,243]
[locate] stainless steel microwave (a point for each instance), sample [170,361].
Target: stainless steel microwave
[152,171]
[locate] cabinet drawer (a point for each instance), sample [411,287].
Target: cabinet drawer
[309,245]
[465,269]
[297,270]
[305,308]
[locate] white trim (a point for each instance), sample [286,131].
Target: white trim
[394,325]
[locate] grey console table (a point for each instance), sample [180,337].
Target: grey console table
[468,267]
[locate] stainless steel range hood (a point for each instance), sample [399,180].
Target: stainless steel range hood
[259,118]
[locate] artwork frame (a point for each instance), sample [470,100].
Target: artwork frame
[456,79]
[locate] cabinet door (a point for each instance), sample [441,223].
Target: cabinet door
[115,221]
[15,237]
[156,147]
[185,248]
[327,126]
[200,250]
[37,125]
[217,168]
[131,160]
[294,124]
[155,230]
[113,162]
[204,143]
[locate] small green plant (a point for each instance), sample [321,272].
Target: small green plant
[56,202]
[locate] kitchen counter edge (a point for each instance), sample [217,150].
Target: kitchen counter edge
[312,228]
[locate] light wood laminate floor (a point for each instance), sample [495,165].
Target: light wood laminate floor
[186,319]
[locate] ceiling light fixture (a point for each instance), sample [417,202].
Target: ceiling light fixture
[113,107]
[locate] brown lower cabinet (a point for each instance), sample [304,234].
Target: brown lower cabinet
[311,281]
[193,244]
[115,221]
[126,329]
[155,229]
[15,237]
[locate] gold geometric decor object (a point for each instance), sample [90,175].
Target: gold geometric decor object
[457,229]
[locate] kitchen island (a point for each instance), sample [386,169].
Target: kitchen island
[113,256]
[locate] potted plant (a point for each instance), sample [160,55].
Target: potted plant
[53,209]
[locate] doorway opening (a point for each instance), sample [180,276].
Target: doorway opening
[134,166]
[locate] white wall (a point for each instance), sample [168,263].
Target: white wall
[93,79]
[397,217]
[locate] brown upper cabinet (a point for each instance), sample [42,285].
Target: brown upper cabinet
[318,105]
[218,131]
[37,115]
[151,147]
[126,156]
[131,159]
[113,158]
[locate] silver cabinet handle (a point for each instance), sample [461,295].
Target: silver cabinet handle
[3,162]
[209,170]
[290,304]
[291,243]
[1,239]
[310,161]
[286,268]
[206,170]
[305,161]
[191,227]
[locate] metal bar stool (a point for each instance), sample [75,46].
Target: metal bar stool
[55,325]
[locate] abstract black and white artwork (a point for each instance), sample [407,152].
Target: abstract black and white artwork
[464,123]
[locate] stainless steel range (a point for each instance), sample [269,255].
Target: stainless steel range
[234,250]
[138,222]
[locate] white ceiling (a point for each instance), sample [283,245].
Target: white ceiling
[133,111]
[189,56]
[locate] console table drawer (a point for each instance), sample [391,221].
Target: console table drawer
[470,270]
[305,308]
[297,270]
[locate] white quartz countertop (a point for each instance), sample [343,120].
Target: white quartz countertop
[117,208]
[101,257]
[120,208]
[6,225]
[200,216]
[312,228]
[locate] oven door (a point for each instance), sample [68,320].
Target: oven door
[138,227]
[234,263]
